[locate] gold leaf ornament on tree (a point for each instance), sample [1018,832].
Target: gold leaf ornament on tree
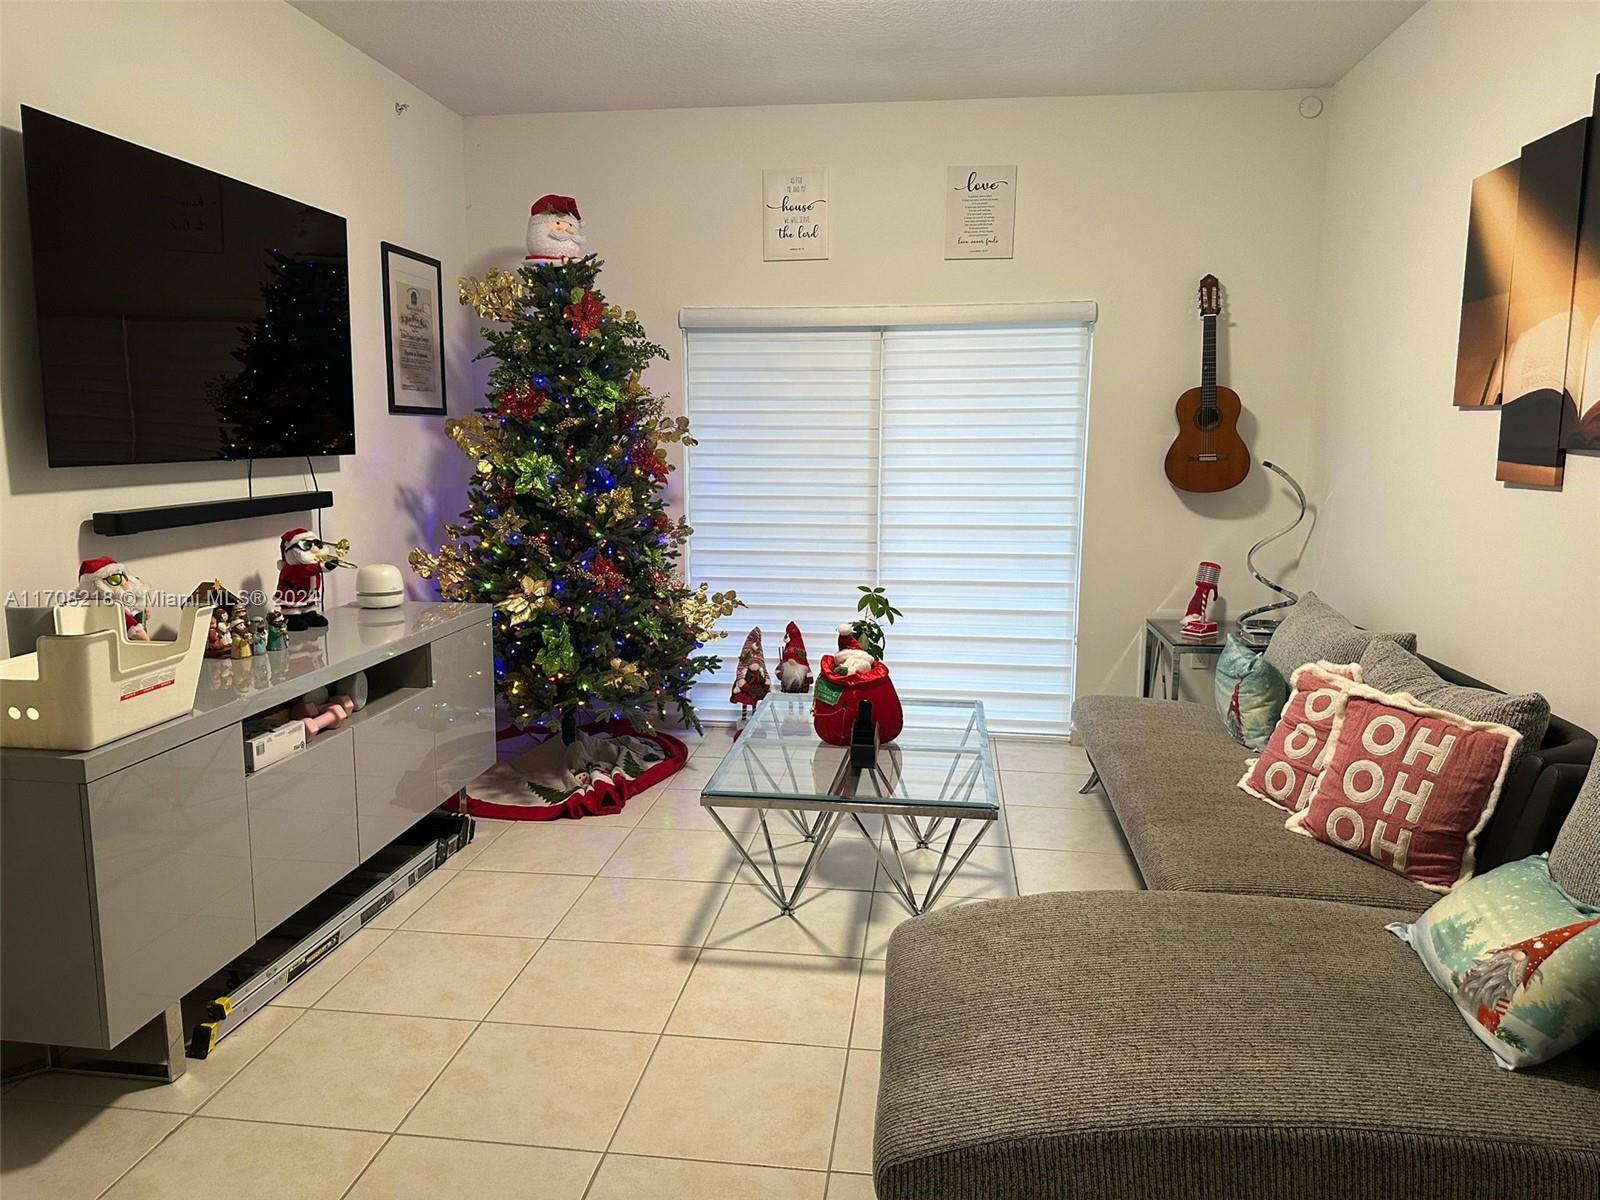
[533,599]
[702,608]
[498,296]
[446,567]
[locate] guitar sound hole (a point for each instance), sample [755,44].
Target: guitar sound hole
[1207,421]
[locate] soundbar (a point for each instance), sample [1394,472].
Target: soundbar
[174,516]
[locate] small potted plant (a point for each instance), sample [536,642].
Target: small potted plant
[867,630]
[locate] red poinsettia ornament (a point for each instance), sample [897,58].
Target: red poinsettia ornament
[522,401]
[606,576]
[584,315]
[652,465]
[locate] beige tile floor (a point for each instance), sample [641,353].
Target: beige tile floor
[599,1010]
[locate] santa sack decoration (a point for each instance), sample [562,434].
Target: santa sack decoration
[845,680]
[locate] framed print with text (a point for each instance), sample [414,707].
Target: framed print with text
[794,213]
[413,331]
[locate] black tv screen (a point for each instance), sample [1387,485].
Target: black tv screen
[183,315]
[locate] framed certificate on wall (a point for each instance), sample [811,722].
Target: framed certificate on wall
[413,330]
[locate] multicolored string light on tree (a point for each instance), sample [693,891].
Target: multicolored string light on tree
[566,532]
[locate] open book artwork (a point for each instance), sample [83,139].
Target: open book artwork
[1530,303]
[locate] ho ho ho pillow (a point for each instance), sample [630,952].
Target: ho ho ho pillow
[1287,770]
[1407,786]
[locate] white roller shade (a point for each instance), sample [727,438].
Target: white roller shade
[782,489]
[945,464]
[878,317]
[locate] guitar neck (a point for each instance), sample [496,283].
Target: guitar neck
[1208,362]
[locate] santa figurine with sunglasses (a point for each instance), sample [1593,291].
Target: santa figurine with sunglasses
[303,560]
[104,580]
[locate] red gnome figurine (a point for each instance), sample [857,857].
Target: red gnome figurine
[750,681]
[794,672]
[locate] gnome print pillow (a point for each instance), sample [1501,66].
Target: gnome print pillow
[1519,957]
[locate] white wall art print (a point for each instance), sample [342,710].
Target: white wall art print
[980,211]
[794,213]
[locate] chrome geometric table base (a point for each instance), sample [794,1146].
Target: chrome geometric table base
[820,834]
[940,879]
[937,777]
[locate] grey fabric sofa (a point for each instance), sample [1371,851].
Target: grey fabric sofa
[1245,1029]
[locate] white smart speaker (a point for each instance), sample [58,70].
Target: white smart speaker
[378,585]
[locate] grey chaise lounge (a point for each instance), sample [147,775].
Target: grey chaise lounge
[1246,1029]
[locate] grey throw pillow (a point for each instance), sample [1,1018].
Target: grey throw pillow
[1315,631]
[1575,858]
[1389,668]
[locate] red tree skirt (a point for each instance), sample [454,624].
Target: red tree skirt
[522,787]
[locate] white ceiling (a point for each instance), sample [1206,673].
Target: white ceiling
[483,57]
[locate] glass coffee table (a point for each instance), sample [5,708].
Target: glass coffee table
[937,779]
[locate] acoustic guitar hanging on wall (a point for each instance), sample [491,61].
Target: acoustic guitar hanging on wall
[1208,455]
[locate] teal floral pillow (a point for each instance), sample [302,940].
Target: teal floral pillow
[1519,956]
[1250,693]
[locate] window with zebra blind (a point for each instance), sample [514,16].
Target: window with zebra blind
[940,460]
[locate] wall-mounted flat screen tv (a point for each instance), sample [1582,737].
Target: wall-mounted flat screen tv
[183,315]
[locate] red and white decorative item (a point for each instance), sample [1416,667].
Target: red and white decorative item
[604,766]
[794,671]
[847,679]
[555,230]
[1409,787]
[1198,625]
[303,558]
[104,580]
[1286,773]
[750,681]
[851,659]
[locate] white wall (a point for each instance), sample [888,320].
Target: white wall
[260,92]
[1126,200]
[1415,532]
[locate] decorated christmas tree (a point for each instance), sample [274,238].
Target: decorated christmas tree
[285,380]
[566,532]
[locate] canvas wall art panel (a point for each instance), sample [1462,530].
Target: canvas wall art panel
[1539,320]
[1486,289]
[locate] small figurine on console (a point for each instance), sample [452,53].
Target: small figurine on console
[104,580]
[240,634]
[258,636]
[304,558]
[276,628]
[555,231]
[218,637]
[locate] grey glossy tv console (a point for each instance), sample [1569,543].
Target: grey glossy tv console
[132,872]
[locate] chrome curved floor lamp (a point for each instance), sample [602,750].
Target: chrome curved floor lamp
[1255,627]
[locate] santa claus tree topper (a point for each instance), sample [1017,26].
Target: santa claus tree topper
[555,230]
